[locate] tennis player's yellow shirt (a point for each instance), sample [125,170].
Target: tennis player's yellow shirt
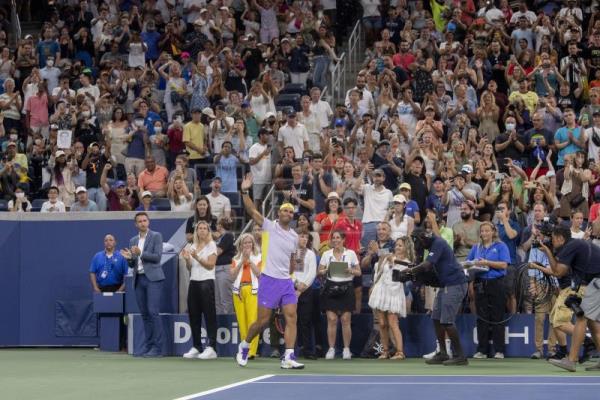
[530,99]
[193,132]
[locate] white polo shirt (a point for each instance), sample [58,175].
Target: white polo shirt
[294,137]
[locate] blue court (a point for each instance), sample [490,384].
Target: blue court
[361,387]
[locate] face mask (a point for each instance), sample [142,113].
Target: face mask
[139,122]
[158,129]
[20,195]
[179,119]
[50,63]
[510,127]
[13,137]
[85,114]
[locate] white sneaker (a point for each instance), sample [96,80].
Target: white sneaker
[242,355]
[208,354]
[346,355]
[479,355]
[449,347]
[192,353]
[291,363]
[330,354]
[433,353]
[499,356]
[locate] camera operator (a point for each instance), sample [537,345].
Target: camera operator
[538,263]
[442,268]
[577,256]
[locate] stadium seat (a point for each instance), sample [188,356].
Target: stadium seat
[298,88]
[161,204]
[36,205]
[3,205]
[288,100]
[234,198]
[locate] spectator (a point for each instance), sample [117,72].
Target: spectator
[153,178]
[339,265]
[178,194]
[220,205]
[146,202]
[19,203]
[226,168]
[293,134]
[225,252]
[375,195]
[117,197]
[53,204]
[387,297]
[83,202]
[245,270]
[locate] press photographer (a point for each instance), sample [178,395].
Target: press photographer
[577,256]
[440,269]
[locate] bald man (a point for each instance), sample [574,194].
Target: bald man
[108,268]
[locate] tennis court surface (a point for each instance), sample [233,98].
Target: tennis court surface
[368,387]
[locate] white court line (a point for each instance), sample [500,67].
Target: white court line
[430,383]
[226,387]
[459,376]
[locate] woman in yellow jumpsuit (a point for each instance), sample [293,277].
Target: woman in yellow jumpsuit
[245,270]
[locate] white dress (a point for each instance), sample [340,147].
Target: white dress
[401,229]
[388,295]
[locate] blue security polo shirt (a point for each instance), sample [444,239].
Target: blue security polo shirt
[498,251]
[510,243]
[447,268]
[109,270]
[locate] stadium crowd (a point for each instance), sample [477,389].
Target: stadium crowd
[473,120]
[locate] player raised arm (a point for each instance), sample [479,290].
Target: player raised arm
[248,203]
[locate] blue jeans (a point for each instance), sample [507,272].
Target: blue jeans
[97,196]
[369,233]
[147,294]
[321,69]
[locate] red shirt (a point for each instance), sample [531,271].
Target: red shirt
[176,145]
[352,230]
[326,225]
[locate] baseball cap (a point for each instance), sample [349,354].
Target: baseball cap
[245,104]
[119,184]
[340,122]
[11,144]
[146,193]
[185,54]
[451,27]
[217,178]
[54,127]
[269,114]
[80,189]
[405,186]
[378,171]
[399,198]
[467,168]
[209,112]
[59,153]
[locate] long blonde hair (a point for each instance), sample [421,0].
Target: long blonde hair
[196,242]
[255,249]
[408,247]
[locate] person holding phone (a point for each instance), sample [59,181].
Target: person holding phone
[339,265]
[260,165]
[387,298]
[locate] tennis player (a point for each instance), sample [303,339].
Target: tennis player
[275,287]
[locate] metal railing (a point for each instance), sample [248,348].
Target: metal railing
[15,23]
[355,53]
[267,202]
[338,80]
[352,57]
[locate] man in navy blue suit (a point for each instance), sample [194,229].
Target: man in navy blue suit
[143,255]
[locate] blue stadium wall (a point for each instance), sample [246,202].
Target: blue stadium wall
[45,292]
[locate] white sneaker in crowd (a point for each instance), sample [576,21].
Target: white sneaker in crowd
[499,356]
[346,354]
[330,354]
[192,353]
[433,353]
[208,354]
[479,355]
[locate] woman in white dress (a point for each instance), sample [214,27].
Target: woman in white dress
[402,224]
[117,133]
[388,299]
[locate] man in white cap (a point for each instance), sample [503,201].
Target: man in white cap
[83,203]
